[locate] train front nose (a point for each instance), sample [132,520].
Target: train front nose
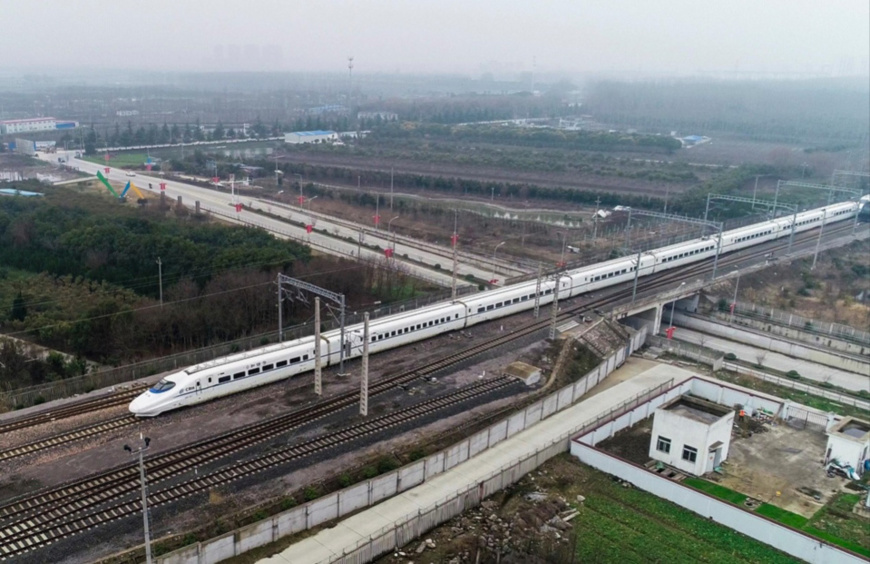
[143,406]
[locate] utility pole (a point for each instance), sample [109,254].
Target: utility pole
[318,370]
[391,189]
[538,293]
[734,302]
[138,452]
[455,240]
[754,192]
[364,381]
[636,276]
[362,237]
[819,240]
[555,311]
[280,310]
[160,277]
[595,228]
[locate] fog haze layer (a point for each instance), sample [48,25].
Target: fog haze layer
[801,37]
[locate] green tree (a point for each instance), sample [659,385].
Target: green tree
[19,308]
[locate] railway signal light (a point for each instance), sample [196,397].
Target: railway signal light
[733,305]
[377,219]
[388,252]
[670,332]
[454,238]
[300,199]
[238,208]
[215,179]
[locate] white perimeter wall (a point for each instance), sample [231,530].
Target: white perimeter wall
[368,493]
[760,528]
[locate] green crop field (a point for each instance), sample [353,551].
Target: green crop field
[120,159]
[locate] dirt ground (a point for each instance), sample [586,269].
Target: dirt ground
[828,293]
[774,465]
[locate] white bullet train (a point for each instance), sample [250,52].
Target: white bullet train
[239,372]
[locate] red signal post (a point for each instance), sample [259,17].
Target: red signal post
[670,332]
[309,228]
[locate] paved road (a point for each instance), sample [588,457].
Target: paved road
[335,243]
[748,353]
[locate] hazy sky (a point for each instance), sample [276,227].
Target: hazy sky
[468,36]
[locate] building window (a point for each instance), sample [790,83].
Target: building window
[690,454]
[663,445]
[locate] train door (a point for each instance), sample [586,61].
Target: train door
[198,389]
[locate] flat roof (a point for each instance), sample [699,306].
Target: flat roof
[7,121]
[697,409]
[315,132]
[852,428]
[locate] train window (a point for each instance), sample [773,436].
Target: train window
[305,357]
[162,386]
[209,380]
[294,360]
[393,334]
[457,316]
[280,363]
[489,307]
[268,367]
[223,379]
[253,371]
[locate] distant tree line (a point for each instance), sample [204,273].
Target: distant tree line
[583,140]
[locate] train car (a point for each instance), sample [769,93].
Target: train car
[493,304]
[240,372]
[398,330]
[226,376]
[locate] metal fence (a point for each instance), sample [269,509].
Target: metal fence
[799,386]
[804,323]
[701,354]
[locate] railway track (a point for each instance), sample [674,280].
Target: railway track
[42,530]
[64,503]
[72,410]
[126,396]
[183,459]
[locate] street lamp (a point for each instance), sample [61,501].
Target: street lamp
[674,305]
[138,452]
[492,278]
[301,197]
[734,302]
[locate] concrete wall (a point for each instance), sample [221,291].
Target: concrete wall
[847,451]
[682,432]
[789,383]
[806,352]
[367,493]
[713,358]
[769,532]
[830,342]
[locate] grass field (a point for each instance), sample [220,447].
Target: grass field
[834,523]
[619,524]
[119,159]
[716,490]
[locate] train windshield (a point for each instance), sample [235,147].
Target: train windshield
[162,386]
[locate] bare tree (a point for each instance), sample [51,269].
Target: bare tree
[759,358]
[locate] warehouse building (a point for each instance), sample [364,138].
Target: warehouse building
[11,126]
[318,136]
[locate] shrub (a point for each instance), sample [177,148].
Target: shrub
[288,503]
[722,304]
[793,374]
[369,472]
[730,356]
[310,493]
[345,480]
[387,463]
[826,385]
[419,453]
[264,341]
[38,400]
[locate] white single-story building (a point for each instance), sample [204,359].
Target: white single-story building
[318,136]
[849,443]
[691,434]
